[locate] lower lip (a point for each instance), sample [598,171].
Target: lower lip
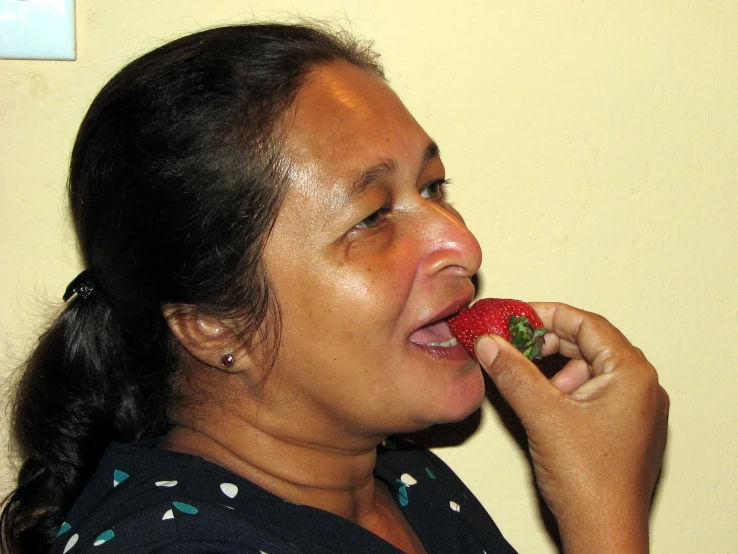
[454,353]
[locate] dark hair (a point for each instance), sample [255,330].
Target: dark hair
[175,182]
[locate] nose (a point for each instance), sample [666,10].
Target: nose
[451,247]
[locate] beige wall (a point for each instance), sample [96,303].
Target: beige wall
[593,150]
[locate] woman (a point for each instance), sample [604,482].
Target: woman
[269,252]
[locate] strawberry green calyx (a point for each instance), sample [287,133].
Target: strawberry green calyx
[525,337]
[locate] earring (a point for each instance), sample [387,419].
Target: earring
[227,361]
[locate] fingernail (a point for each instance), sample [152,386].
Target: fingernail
[486,349]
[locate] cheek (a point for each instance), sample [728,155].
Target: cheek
[353,305]
[349,293]
[383,281]
[379,264]
[369,294]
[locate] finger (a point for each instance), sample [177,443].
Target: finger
[545,311]
[553,344]
[519,381]
[586,335]
[556,345]
[572,376]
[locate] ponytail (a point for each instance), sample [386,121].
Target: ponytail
[73,399]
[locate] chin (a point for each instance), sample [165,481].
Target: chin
[446,412]
[461,413]
[460,402]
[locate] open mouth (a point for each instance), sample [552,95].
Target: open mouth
[435,334]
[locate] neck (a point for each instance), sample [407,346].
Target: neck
[290,467]
[295,450]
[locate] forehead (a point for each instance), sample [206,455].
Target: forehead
[343,120]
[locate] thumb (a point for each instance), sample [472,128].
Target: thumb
[519,381]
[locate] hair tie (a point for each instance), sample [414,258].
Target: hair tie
[83,285]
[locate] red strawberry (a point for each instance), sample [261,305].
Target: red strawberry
[513,320]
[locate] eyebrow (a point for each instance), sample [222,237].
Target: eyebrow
[368,176]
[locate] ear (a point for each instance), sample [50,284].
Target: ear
[208,339]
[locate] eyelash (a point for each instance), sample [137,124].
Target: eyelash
[378,216]
[442,185]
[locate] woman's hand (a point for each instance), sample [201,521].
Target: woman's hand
[596,431]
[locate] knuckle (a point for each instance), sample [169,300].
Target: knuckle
[665,399]
[644,359]
[616,353]
[596,320]
[606,357]
[599,320]
[650,377]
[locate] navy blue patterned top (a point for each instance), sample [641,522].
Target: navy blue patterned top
[142,499]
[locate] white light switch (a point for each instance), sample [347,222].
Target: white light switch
[37,29]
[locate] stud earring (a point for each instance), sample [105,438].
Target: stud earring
[227,361]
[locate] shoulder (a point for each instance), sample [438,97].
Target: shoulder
[142,499]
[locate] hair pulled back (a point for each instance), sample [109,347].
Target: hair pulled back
[175,182]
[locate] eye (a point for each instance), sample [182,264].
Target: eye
[374,220]
[435,189]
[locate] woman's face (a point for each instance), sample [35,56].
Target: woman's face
[364,255]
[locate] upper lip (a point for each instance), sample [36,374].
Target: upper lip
[448,310]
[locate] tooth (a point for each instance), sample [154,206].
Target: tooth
[446,344]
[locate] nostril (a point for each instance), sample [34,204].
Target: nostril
[477,282]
